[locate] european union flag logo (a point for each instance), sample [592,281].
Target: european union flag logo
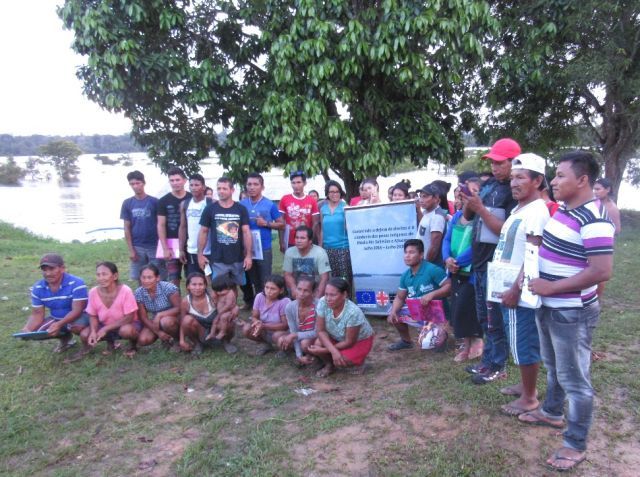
[366,298]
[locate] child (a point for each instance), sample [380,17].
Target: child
[268,319]
[224,298]
[301,317]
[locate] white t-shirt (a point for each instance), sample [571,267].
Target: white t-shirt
[431,222]
[523,221]
[193,213]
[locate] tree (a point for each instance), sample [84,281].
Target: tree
[11,173]
[560,68]
[64,157]
[353,86]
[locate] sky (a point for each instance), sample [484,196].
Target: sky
[39,91]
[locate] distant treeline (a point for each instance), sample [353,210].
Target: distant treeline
[95,144]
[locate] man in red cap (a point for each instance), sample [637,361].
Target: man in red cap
[489,209]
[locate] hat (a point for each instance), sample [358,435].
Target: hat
[529,161]
[430,189]
[503,149]
[51,260]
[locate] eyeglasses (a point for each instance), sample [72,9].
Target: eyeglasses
[334,192]
[297,174]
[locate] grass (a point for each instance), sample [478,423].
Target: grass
[411,414]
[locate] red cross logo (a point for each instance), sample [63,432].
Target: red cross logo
[382,298]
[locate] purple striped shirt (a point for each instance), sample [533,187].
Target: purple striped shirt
[569,238]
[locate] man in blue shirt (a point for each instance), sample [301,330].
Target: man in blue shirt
[66,298]
[139,214]
[264,217]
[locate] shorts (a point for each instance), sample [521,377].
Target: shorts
[114,335]
[174,269]
[358,352]
[206,323]
[83,321]
[192,264]
[522,334]
[235,270]
[146,254]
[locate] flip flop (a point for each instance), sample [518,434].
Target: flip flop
[511,410]
[130,353]
[324,372]
[62,347]
[575,461]
[536,418]
[77,356]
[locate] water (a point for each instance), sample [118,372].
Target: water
[90,209]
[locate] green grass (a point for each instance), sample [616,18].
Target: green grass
[411,414]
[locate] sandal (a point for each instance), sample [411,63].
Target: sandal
[574,461]
[536,418]
[130,353]
[513,390]
[511,410]
[77,356]
[64,346]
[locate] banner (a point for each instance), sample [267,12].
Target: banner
[376,238]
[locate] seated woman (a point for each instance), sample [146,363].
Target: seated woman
[345,337]
[205,317]
[158,308]
[301,318]
[268,319]
[112,311]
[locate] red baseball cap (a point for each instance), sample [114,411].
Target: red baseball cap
[503,149]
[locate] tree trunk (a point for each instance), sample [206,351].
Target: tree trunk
[619,139]
[351,184]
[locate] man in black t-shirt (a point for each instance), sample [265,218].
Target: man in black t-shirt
[169,223]
[489,211]
[230,235]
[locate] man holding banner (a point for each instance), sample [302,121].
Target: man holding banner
[424,281]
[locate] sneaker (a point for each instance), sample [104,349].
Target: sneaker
[489,376]
[229,347]
[477,368]
[401,344]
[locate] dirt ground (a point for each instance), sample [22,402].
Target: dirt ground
[377,438]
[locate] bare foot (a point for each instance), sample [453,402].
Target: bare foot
[130,353]
[325,371]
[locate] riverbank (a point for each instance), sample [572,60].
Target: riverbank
[167,414]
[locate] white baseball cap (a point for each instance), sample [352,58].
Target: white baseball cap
[529,161]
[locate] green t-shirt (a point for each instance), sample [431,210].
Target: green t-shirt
[351,316]
[429,277]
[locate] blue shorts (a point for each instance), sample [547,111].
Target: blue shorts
[234,270]
[82,321]
[522,334]
[145,255]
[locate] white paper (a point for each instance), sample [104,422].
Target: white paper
[256,240]
[531,271]
[500,277]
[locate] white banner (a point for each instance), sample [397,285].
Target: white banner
[376,243]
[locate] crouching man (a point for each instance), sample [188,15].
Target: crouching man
[65,296]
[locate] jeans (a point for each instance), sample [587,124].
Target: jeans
[565,345]
[494,355]
[256,276]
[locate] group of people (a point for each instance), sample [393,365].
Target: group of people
[543,305]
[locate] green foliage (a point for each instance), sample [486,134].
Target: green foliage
[11,173]
[474,162]
[351,86]
[64,157]
[567,72]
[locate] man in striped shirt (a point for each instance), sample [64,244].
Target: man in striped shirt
[576,254]
[66,298]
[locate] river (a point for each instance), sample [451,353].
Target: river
[89,210]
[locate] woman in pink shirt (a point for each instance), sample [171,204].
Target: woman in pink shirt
[112,311]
